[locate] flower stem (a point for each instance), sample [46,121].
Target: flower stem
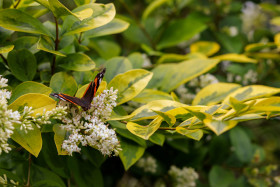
[15,6]
[56,46]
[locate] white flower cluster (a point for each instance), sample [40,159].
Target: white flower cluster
[185,95]
[250,77]
[252,17]
[5,183]
[7,117]
[203,81]
[88,127]
[183,177]
[148,164]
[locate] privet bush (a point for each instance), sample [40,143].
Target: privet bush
[181,78]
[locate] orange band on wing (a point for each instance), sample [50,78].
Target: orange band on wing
[87,88]
[67,99]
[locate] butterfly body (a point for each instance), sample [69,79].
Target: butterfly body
[85,101]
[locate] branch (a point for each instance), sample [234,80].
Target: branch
[29,169]
[15,6]
[56,46]
[140,25]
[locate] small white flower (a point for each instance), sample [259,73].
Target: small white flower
[183,177]
[3,82]
[88,127]
[148,164]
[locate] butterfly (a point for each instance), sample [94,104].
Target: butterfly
[85,101]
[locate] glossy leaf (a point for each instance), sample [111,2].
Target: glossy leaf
[220,177]
[193,134]
[31,141]
[169,118]
[236,58]
[148,95]
[58,9]
[144,131]
[59,136]
[101,15]
[130,84]
[23,68]
[29,87]
[136,59]
[115,66]
[205,47]
[168,77]
[77,62]
[63,83]
[130,153]
[152,6]
[17,20]
[242,144]
[47,44]
[219,126]
[182,30]
[113,27]
[251,92]
[6,49]
[38,102]
[101,46]
[157,138]
[214,93]
[27,42]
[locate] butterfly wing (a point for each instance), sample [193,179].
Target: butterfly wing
[93,86]
[74,100]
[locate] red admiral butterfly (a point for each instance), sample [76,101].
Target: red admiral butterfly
[85,101]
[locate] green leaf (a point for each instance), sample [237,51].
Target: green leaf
[27,42]
[113,27]
[168,77]
[219,126]
[130,84]
[38,102]
[102,46]
[205,47]
[17,20]
[182,30]
[130,153]
[101,15]
[148,95]
[29,87]
[77,62]
[11,176]
[44,177]
[193,134]
[47,44]
[94,156]
[157,138]
[214,93]
[59,136]
[152,7]
[144,131]
[242,144]
[84,173]
[120,128]
[31,141]
[58,9]
[6,49]
[220,177]
[82,2]
[23,68]
[136,59]
[64,83]
[169,118]
[115,66]
[238,106]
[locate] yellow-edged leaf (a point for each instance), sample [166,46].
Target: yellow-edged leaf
[59,137]
[148,95]
[6,49]
[38,102]
[144,131]
[214,93]
[219,126]
[193,134]
[170,119]
[205,47]
[236,58]
[130,84]
[82,90]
